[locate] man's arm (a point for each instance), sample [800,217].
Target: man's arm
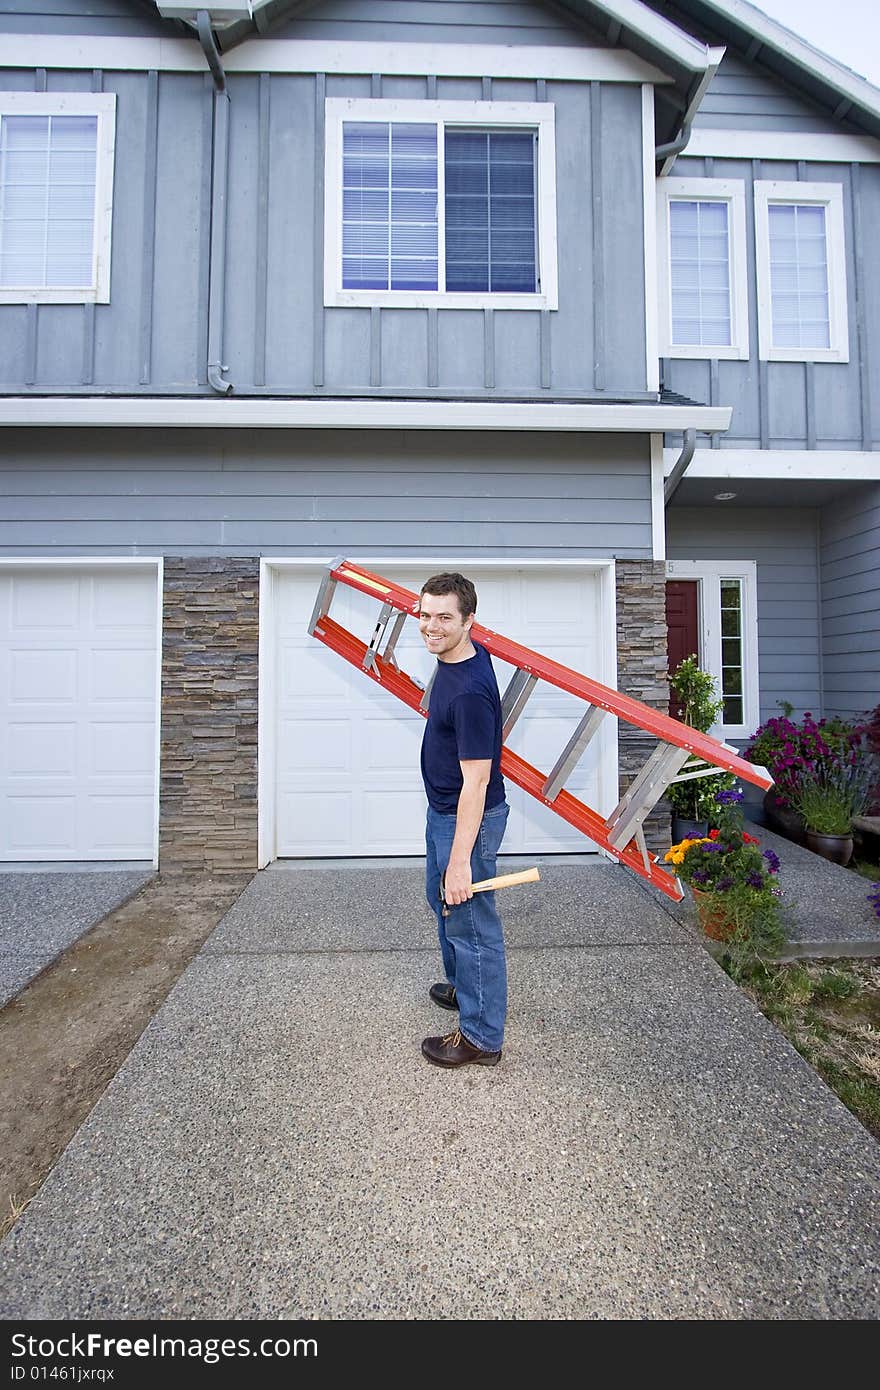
[471,804]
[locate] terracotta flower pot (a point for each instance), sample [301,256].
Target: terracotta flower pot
[837,848]
[714,914]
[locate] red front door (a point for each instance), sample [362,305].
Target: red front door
[682,627]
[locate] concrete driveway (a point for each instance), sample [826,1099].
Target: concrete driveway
[275,1146]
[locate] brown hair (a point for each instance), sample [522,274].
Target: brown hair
[463,589]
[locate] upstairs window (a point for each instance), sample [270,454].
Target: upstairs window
[56,174]
[440,202]
[703,294]
[799,243]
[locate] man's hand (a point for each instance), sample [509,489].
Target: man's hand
[458,883]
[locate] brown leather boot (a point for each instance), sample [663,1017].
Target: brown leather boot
[455,1051]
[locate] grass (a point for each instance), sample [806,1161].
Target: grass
[831,1015]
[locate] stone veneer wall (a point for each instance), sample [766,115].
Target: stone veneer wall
[641,670]
[208,796]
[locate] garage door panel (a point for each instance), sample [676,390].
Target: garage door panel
[311,744]
[41,749]
[373,802]
[315,823]
[78,703]
[44,601]
[121,673]
[120,824]
[41,677]
[393,817]
[37,823]
[122,750]
[125,602]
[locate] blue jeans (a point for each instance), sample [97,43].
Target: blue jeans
[471,937]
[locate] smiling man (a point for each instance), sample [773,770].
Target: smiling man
[467,815]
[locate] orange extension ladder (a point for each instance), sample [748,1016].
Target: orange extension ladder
[682,753]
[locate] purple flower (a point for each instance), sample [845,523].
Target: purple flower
[715,848]
[700,876]
[723,884]
[772,860]
[755,879]
[728,798]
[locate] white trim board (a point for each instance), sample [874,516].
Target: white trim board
[807,465]
[708,574]
[649,201]
[658,502]
[828,196]
[369,414]
[348,56]
[827,148]
[271,566]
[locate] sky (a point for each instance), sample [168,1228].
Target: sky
[848,30]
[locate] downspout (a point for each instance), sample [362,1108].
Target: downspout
[219,190]
[675,146]
[680,466]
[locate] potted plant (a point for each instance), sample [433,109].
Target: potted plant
[828,801]
[792,753]
[693,801]
[731,880]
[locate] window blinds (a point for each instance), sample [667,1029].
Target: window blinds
[47,200]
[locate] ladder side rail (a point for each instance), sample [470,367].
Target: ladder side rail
[632,711]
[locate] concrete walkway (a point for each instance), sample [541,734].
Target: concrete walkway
[276,1147]
[44,912]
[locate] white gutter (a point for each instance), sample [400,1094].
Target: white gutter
[370,414]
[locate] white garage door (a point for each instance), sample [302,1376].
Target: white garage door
[78,691]
[347,753]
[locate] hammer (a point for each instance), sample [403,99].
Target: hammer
[488,885]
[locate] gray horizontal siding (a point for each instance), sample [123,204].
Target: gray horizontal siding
[850,560]
[314,492]
[98,18]
[278,336]
[784,546]
[437,21]
[800,405]
[743,97]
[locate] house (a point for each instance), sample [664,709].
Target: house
[577,297]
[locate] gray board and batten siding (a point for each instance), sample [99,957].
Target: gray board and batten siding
[439,21]
[850,566]
[279,338]
[783,542]
[324,492]
[790,405]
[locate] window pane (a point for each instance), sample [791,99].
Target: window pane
[732,657]
[700,273]
[48,170]
[389,205]
[732,712]
[799,276]
[491,240]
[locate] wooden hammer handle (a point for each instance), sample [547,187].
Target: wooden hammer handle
[506,880]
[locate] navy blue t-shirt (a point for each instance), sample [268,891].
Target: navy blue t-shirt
[464,723]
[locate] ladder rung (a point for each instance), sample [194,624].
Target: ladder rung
[514,700]
[644,792]
[378,633]
[388,654]
[325,594]
[426,693]
[573,751]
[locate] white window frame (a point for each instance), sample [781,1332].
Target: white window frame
[829,196]
[731,192]
[496,115]
[102,105]
[708,575]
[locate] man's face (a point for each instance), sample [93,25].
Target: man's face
[445,631]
